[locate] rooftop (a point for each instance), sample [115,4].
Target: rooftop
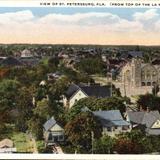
[93,90]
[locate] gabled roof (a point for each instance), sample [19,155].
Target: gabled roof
[93,90]
[6,143]
[132,54]
[97,91]
[144,118]
[71,90]
[136,53]
[156,61]
[49,124]
[150,118]
[111,118]
[11,61]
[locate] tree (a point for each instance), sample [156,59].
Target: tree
[104,145]
[24,107]
[144,143]
[35,125]
[149,101]
[155,90]
[43,110]
[126,146]
[8,88]
[91,69]
[53,62]
[79,130]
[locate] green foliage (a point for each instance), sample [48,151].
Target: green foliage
[150,101]
[40,146]
[94,104]
[155,90]
[91,65]
[59,87]
[143,143]
[74,76]
[126,146]
[8,88]
[53,62]
[43,110]
[35,125]
[24,108]
[79,130]
[104,145]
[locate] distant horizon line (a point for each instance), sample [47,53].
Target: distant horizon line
[79,44]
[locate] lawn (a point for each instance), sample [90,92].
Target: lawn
[22,142]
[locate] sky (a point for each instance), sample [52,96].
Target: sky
[105,26]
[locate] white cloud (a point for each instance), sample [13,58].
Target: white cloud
[145,16]
[58,26]
[17,17]
[148,19]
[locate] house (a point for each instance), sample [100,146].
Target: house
[112,122]
[53,132]
[132,54]
[77,92]
[29,61]
[147,121]
[7,146]
[115,63]
[54,76]
[26,53]
[10,62]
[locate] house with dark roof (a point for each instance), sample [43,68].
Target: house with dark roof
[112,122]
[53,132]
[77,92]
[147,121]
[10,62]
[132,54]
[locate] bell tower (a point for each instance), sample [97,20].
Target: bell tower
[136,72]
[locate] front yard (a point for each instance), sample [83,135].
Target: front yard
[22,141]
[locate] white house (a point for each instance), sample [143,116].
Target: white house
[77,92]
[53,132]
[112,122]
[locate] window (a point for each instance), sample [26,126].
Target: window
[153,83]
[109,129]
[148,74]
[60,138]
[143,84]
[148,83]
[124,127]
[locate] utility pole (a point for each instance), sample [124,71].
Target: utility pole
[92,138]
[111,85]
[124,86]
[112,70]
